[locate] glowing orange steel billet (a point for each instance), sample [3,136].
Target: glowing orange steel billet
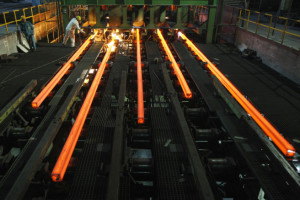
[186,90]
[49,87]
[264,124]
[68,149]
[139,80]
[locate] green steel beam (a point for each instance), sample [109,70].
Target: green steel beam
[191,2]
[179,18]
[211,21]
[124,20]
[135,2]
[185,14]
[162,2]
[151,21]
[65,12]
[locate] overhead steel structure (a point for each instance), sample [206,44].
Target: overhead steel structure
[147,14]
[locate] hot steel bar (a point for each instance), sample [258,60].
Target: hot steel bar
[49,87]
[67,151]
[140,91]
[285,147]
[178,73]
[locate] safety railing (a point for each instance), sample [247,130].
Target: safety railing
[44,18]
[277,28]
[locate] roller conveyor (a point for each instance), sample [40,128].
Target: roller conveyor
[200,146]
[169,152]
[90,177]
[248,145]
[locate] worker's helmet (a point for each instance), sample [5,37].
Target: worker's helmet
[78,18]
[23,17]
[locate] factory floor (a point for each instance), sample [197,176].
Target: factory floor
[39,65]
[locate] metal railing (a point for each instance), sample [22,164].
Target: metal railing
[267,24]
[43,17]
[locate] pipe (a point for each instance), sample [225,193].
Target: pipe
[285,147]
[140,91]
[54,81]
[63,160]
[186,90]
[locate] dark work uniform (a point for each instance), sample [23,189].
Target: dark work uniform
[27,28]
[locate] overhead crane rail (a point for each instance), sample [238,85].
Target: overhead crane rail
[185,87]
[286,148]
[68,149]
[54,81]
[140,92]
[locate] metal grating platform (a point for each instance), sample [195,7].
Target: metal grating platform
[90,180]
[170,182]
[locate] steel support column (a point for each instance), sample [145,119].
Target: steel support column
[211,21]
[179,18]
[185,15]
[99,15]
[162,17]
[65,13]
[124,19]
[151,21]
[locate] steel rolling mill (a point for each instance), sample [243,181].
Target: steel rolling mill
[140,112]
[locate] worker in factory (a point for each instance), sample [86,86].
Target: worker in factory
[27,29]
[70,30]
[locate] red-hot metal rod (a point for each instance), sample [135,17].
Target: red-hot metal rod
[186,90]
[140,92]
[68,149]
[54,81]
[286,148]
